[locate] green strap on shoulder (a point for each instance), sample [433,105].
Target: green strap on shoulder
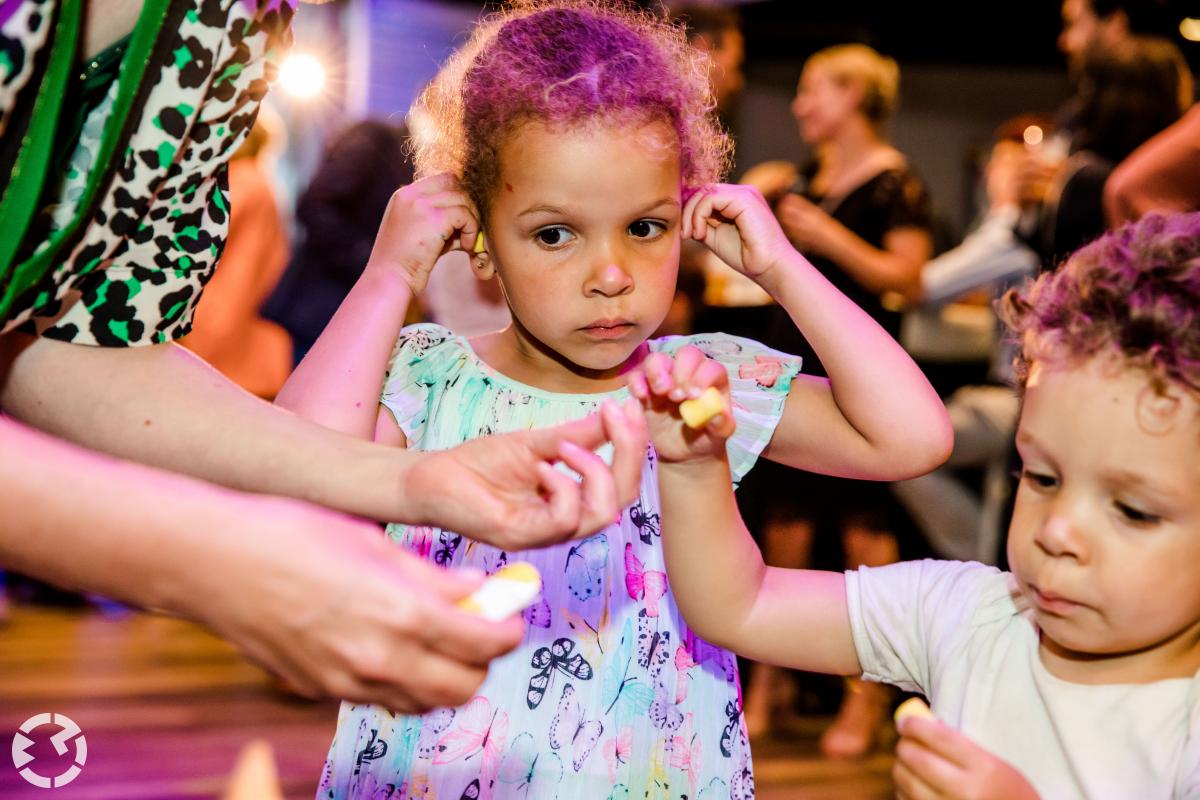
[18,205]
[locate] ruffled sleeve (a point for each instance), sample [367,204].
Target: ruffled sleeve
[759,381]
[424,359]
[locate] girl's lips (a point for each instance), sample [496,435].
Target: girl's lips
[606,329]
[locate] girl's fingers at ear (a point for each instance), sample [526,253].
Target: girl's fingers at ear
[687,360]
[685,216]
[598,490]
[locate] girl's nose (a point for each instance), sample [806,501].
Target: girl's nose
[609,280]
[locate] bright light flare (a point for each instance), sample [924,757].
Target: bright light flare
[302,76]
[1033,135]
[1190,29]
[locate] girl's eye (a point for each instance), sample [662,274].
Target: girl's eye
[647,229]
[1136,515]
[554,236]
[1038,480]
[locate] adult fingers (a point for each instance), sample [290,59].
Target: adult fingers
[627,429]
[599,492]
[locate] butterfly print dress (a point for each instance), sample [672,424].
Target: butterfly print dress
[610,696]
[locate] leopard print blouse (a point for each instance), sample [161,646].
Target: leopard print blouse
[135,274]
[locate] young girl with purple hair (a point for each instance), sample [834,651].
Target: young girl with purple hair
[580,139]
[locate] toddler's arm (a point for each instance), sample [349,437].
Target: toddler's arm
[795,618]
[339,381]
[876,417]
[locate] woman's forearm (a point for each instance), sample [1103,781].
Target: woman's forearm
[338,382]
[90,522]
[875,269]
[162,406]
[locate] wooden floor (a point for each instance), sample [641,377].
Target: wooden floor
[165,708]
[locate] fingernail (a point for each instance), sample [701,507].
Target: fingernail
[677,394]
[694,393]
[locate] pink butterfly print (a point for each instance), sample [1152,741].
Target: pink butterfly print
[420,540]
[686,754]
[765,370]
[478,730]
[643,583]
[683,663]
[617,752]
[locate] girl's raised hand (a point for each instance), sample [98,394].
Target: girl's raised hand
[737,224]
[423,221]
[661,383]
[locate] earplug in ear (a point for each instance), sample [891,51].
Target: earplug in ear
[480,244]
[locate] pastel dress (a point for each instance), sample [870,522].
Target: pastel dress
[610,696]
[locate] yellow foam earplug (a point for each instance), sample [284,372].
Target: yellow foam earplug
[696,413]
[508,590]
[480,244]
[912,707]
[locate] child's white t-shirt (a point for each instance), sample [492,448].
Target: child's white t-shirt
[958,633]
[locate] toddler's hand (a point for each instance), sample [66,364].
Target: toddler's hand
[662,383]
[935,760]
[737,224]
[423,221]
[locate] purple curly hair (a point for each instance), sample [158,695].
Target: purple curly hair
[565,63]
[1135,290]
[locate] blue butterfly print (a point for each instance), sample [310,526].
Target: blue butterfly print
[628,696]
[561,657]
[536,775]
[586,565]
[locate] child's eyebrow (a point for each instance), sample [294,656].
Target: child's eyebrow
[541,209]
[1155,489]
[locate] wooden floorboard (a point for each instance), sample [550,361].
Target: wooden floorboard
[166,708]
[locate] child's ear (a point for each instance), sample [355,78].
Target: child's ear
[481,260]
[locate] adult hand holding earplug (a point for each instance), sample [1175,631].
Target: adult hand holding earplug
[665,385]
[424,221]
[737,224]
[934,760]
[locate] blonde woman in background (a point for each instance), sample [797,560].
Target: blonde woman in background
[862,217]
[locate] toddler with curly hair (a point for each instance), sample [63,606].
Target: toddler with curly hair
[1077,673]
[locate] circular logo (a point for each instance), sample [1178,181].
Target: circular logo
[70,733]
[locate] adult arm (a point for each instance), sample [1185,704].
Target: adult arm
[322,599]
[162,406]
